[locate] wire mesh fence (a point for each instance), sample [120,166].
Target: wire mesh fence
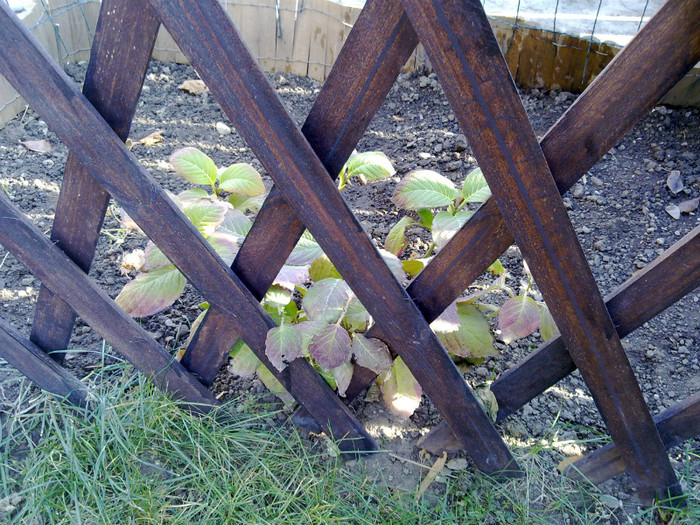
[554,44]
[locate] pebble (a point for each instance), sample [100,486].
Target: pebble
[222,129]
[596,181]
[27,281]
[457,464]
[460,143]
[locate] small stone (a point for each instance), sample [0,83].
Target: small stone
[27,281]
[482,371]
[454,165]
[222,129]
[596,181]
[424,155]
[460,143]
[600,246]
[578,191]
[457,464]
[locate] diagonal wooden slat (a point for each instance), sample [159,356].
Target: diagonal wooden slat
[66,280]
[671,276]
[32,72]
[477,83]
[31,360]
[347,102]
[124,38]
[240,87]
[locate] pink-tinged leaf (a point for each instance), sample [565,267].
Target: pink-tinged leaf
[225,245]
[244,362]
[305,252]
[194,166]
[282,345]
[326,300]
[689,206]
[424,189]
[206,215]
[371,353]
[331,347]
[400,390]
[445,226]
[396,239]
[40,146]
[291,276]
[151,292]
[548,328]
[343,375]
[394,264]
[242,179]
[273,385]
[194,194]
[675,182]
[447,321]
[134,260]
[307,331]
[519,317]
[237,223]
[194,87]
[154,257]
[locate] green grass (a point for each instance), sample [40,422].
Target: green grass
[138,458]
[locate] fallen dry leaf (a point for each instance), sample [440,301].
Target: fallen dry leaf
[153,138]
[195,87]
[431,475]
[40,146]
[134,260]
[567,462]
[689,206]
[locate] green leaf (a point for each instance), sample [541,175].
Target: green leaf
[356,316]
[426,217]
[331,347]
[273,385]
[243,179]
[278,296]
[290,276]
[206,215]
[464,331]
[371,353]
[282,346]
[154,257]
[548,328]
[243,362]
[488,400]
[372,165]
[195,326]
[496,268]
[400,390]
[396,240]
[152,292]
[194,166]
[446,225]
[191,195]
[305,252]
[412,266]
[225,245]
[343,376]
[243,203]
[237,223]
[326,300]
[424,189]
[394,265]
[322,268]
[519,317]
[475,188]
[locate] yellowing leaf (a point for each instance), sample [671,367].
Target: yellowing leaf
[195,87]
[153,138]
[431,475]
[206,215]
[273,385]
[548,328]
[519,317]
[40,146]
[369,165]
[322,268]
[396,239]
[152,292]
[400,390]
[343,376]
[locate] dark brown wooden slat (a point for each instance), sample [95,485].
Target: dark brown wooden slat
[476,80]
[66,280]
[671,276]
[48,90]
[29,359]
[347,102]
[677,424]
[242,90]
[124,38]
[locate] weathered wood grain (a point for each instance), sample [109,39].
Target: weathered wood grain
[69,114]
[124,38]
[240,87]
[31,360]
[477,83]
[386,39]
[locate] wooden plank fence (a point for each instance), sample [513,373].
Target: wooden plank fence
[526,178]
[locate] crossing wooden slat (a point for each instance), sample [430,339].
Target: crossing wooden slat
[669,277]
[124,39]
[477,83]
[31,360]
[66,280]
[347,102]
[32,72]
[244,94]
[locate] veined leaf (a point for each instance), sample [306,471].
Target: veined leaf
[273,385]
[278,296]
[412,266]
[290,276]
[307,331]
[237,223]
[243,179]
[447,321]
[191,195]
[519,317]
[426,216]
[446,225]
[194,166]
[151,292]
[305,252]
[424,189]
[343,375]
[206,215]
[496,268]
[243,361]
[400,390]
[372,165]
[154,257]
[548,328]
[394,265]
[225,245]
[464,331]
[326,300]
[371,353]
[396,240]
[282,346]
[244,203]
[322,268]
[475,188]
[331,347]
[356,316]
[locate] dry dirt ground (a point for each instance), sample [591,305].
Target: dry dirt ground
[618,210]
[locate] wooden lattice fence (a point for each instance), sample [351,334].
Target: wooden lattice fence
[526,178]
